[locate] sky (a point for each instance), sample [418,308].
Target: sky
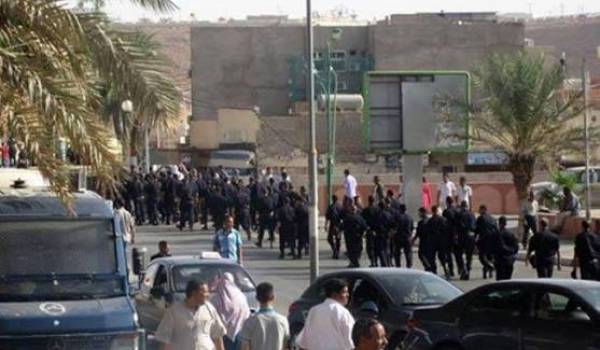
[123,10]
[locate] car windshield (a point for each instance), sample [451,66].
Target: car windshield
[58,260]
[419,289]
[211,274]
[591,295]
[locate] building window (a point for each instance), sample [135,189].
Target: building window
[338,60]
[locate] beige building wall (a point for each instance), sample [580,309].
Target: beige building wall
[203,134]
[231,126]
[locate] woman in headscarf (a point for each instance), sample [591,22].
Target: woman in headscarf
[233,308]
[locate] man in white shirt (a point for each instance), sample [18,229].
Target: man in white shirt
[446,189]
[349,185]
[464,192]
[193,324]
[329,325]
[124,222]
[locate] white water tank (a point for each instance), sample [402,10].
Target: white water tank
[344,102]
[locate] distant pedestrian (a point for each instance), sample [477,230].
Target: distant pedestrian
[124,222]
[329,325]
[349,185]
[426,196]
[529,211]
[446,189]
[228,241]
[464,192]
[544,251]
[192,324]
[505,247]
[265,329]
[486,228]
[369,334]
[232,306]
[163,251]
[586,257]
[378,193]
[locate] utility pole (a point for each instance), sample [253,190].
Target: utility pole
[312,152]
[585,76]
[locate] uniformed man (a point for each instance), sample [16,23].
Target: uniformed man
[426,248]
[448,246]
[265,209]
[586,255]
[242,208]
[437,229]
[546,247]
[151,191]
[286,224]
[217,204]
[354,227]
[170,192]
[332,226]
[385,222]
[466,241]
[504,246]
[371,215]
[301,213]
[203,194]
[485,228]
[402,238]
[186,203]
[138,198]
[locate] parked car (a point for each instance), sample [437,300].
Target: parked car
[541,189]
[166,278]
[394,292]
[548,314]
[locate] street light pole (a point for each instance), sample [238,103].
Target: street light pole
[312,152]
[585,76]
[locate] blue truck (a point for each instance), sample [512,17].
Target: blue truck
[63,274]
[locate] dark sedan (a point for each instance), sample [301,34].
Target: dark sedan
[545,314]
[391,294]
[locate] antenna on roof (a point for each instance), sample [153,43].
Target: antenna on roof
[19,184]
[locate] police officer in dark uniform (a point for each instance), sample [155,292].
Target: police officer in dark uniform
[286,221]
[586,256]
[170,192]
[242,209]
[402,239]
[546,247]
[371,215]
[186,203]
[151,191]
[203,194]
[504,246]
[466,241]
[138,198]
[385,222]
[437,229]
[452,217]
[354,227]
[218,205]
[301,213]
[332,224]
[266,207]
[426,248]
[485,228]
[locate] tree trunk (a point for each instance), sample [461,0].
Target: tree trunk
[521,168]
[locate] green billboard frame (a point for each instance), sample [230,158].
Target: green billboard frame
[366,120]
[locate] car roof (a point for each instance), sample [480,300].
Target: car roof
[192,260]
[542,282]
[381,272]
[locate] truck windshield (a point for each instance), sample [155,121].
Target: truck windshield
[58,260]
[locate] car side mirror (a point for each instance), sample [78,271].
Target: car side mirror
[157,292]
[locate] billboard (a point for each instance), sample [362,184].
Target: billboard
[416,111]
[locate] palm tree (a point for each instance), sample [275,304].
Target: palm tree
[524,112]
[54,64]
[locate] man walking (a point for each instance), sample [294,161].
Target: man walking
[371,215]
[228,241]
[529,211]
[332,226]
[426,248]
[349,185]
[192,324]
[586,256]
[546,247]
[354,227]
[403,237]
[465,245]
[464,192]
[265,329]
[504,247]
[329,325]
[286,218]
[437,227]
[446,189]
[485,228]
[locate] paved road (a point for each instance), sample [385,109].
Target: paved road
[290,277]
